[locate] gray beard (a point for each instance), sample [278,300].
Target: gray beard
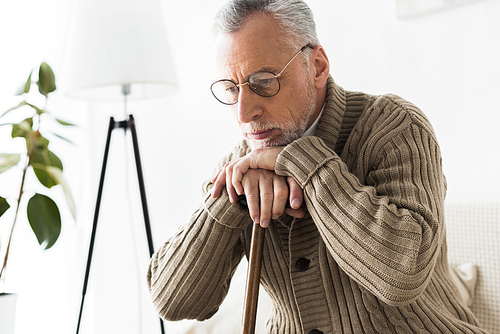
[290,132]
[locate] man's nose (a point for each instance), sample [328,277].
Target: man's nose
[249,107]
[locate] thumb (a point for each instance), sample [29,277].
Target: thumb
[296,193]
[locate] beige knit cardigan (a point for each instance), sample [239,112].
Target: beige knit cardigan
[368,257]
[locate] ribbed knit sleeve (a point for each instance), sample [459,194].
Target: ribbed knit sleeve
[189,276]
[380,214]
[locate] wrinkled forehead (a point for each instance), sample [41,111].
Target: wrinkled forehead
[258,45]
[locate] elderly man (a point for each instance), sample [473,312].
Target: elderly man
[361,247]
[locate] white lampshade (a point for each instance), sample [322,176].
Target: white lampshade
[114,43]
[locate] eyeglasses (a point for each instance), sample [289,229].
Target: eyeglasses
[265,84]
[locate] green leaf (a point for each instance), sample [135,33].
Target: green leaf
[45,220]
[63,138]
[7,161]
[23,103]
[4,206]
[56,174]
[64,122]
[41,143]
[38,110]
[40,160]
[22,129]
[46,79]
[25,88]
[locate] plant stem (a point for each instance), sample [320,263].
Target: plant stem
[21,191]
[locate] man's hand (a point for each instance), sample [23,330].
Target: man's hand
[258,159]
[231,174]
[266,192]
[267,195]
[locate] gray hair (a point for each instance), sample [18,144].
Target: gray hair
[294,17]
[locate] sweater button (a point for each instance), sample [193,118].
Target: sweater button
[315,331]
[302,265]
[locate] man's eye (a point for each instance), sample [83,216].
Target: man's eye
[232,89]
[263,82]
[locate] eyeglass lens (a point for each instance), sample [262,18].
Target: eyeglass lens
[225,91]
[263,83]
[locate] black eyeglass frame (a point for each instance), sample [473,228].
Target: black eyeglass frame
[248,81]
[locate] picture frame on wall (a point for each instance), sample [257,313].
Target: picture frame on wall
[409,8]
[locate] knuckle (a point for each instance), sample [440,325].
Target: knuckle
[281,193]
[252,197]
[251,172]
[267,195]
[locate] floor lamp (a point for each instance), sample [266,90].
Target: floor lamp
[117,49]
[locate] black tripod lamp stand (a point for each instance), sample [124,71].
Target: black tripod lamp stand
[128,124]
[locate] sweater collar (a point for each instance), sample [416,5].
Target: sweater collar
[331,120]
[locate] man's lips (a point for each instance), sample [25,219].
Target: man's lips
[260,135]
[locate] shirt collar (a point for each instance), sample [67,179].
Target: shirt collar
[312,129]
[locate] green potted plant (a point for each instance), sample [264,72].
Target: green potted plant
[42,211]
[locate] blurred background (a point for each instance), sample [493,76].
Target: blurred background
[446,61]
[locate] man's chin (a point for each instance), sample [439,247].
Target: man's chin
[256,144]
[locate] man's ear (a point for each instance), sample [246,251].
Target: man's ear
[321,66]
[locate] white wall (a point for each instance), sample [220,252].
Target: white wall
[446,62]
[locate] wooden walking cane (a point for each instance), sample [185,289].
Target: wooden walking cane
[253,277]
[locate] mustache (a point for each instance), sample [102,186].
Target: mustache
[264,126]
